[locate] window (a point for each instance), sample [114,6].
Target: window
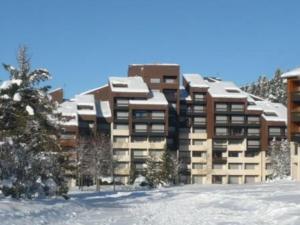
[253,120]
[139,153]
[120,139]
[199,179]
[170,79]
[237,131]
[253,143]
[119,126]
[120,152]
[235,142]
[234,179]
[234,154]
[85,107]
[122,115]
[270,114]
[253,131]
[250,166]
[251,154]
[155,80]
[138,139]
[274,131]
[221,119]
[199,165]
[232,91]
[199,96]
[237,108]
[237,119]
[235,166]
[250,179]
[220,107]
[199,154]
[122,102]
[220,144]
[199,142]
[156,139]
[217,166]
[217,179]
[199,108]
[221,131]
[140,114]
[140,127]
[199,130]
[199,120]
[158,115]
[158,128]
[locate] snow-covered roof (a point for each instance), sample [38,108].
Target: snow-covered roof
[94,89]
[273,111]
[195,80]
[69,109]
[157,98]
[128,84]
[104,109]
[292,73]
[225,89]
[88,100]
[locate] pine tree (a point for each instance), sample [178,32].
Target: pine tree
[167,168]
[30,154]
[153,172]
[273,90]
[280,158]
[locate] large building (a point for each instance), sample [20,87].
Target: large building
[219,133]
[293,93]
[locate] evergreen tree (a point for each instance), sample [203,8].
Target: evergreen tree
[273,90]
[167,168]
[280,158]
[30,152]
[153,172]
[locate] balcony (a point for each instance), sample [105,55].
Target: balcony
[296,96]
[121,118]
[219,147]
[253,148]
[222,122]
[219,160]
[120,145]
[295,116]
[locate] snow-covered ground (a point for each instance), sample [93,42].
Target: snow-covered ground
[273,203]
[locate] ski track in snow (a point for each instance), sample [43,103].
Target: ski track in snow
[261,204]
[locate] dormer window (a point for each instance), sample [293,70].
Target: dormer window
[232,91]
[270,114]
[85,107]
[119,84]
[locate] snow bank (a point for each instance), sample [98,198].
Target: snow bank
[268,204]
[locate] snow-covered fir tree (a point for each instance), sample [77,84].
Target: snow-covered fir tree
[280,158]
[153,172]
[95,158]
[30,155]
[167,168]
[273,89]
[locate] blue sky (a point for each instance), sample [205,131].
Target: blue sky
[82,42]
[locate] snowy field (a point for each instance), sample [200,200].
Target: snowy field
[273,203]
